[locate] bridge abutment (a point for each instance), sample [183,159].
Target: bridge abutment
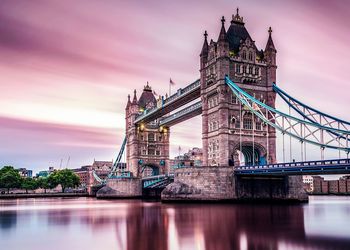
[121,188]
[221,184]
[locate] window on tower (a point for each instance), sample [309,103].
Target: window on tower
[247,123]
[257,71]
[244,69]
[151,137]
[238,68]
[250,56]
[258,125]
[151,151]
[244,55]
[250,70]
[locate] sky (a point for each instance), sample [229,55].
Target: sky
[67,67]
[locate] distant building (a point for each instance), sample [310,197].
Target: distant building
[322,186]
[193,157]
[25,172]
[45,173]
[308,181]
[101,168]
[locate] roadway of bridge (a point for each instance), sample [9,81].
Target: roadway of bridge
[322,167]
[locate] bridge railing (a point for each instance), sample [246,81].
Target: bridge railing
[298,164]
[181,113]
[180,92]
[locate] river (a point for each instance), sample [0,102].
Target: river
[87,223]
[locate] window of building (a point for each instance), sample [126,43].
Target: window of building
[258,125]
[237,124]
[234,99]
[247,123]
[238,68]
[160,138]
[244,56]
[141,137]
[157,152]
[144,152]
[257,71]
[150,137]
[250,56]
[151,151]
[244,69]
[250,70]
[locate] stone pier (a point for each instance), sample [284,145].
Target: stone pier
[221,184]
[121,188]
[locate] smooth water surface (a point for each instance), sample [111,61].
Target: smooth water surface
[87,223]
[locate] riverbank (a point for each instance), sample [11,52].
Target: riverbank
[43,195]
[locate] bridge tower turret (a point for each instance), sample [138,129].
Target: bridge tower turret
[131,111]
[147,145]
[230,133]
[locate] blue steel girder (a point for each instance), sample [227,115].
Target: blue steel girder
[114,167]
[338,166]
[157,180]
[303,130]
[180,98]
[311,113]
[184,114]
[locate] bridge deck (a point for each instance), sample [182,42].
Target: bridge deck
[338,166]
[177,100]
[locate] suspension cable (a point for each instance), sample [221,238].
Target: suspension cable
[240,133]
[283,148]
[267,140]
[290,140]
[253,125]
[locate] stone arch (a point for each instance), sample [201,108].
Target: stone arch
[250,158]
[149,170]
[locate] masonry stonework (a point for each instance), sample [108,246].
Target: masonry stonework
[121,188]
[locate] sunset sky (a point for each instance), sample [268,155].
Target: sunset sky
[67,66]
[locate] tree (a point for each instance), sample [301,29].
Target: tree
[29,184]
[42,182]
[53,180]
[9,178]
[67,178]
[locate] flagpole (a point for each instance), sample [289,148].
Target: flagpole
[170,87]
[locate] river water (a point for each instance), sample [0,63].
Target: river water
[87,223]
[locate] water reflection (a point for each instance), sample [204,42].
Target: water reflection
[93,224]
[8,219]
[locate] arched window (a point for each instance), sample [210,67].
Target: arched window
[250,56]
[244,55]
[244,69]
[247,123]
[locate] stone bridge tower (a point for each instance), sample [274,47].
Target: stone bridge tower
[231,134]
[147,147]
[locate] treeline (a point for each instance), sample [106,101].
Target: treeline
[11,179]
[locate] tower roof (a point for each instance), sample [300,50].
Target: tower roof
[222,35]
[269,45]
[236,32]
[147,97]
[205,45]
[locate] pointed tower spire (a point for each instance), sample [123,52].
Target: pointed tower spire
[205,47]
[269,45]
[129,102]
[134,101]
[222,35]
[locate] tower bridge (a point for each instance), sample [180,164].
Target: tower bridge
[235,96]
